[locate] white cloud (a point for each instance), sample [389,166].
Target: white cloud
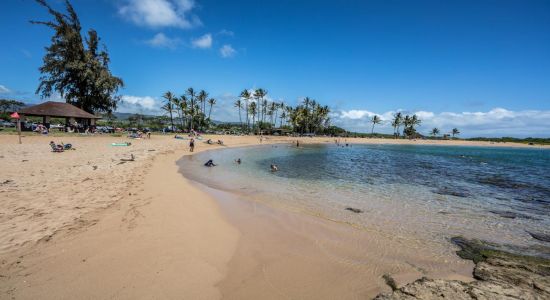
[203,42]
[227,51]
[160,40]
[356,114]
[160,13]
[496,122]
[226,32]
[4,90]
[137,104]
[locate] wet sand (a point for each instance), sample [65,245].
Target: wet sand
[80,224]
[288,255]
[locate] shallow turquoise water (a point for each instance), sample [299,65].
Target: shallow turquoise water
[427,192]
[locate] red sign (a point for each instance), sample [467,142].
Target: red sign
[15,115]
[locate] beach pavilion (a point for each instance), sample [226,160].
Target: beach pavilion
[51,109]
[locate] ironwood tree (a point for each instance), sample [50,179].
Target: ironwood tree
[77,68]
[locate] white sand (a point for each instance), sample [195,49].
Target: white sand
[81,224]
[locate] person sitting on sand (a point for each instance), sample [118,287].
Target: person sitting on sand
[274,168]
[56,148]
[209,163]
[209,142]
[220,142]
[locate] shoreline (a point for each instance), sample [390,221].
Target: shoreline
[281,253]
[161,237]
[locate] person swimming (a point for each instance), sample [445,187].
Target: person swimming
[274,168]
[238,161]
[209,163]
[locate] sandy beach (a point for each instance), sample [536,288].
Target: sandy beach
[86,224]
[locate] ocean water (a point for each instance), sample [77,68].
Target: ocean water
[418,193]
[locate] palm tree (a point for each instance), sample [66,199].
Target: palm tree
[259,95]
[177,107]
[184,110]
[415,121]
[245,94]
[289,110]
[434,132]
[192,97]
[282,107]
[252,110]
[375,120]
[455,132]
[211,101]
[410,123]
[239,105]
[169,106]
[264,111]
[201,97]
[396,123]
[307,102]
[282,117]
[271,112]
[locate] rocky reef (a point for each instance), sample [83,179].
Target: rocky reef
[499,274]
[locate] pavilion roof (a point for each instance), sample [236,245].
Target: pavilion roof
[57,109]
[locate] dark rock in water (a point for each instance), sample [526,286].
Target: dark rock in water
[355,210]
[540,236]
[502,182]
[390,282]
[498,274]
[451,192]
[512,215]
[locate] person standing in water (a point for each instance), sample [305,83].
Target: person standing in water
[191,145]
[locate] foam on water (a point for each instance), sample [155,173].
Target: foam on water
[423,194]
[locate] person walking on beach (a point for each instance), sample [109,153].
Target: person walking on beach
[191,145]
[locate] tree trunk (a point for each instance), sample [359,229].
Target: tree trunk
[171,121]
[240,119]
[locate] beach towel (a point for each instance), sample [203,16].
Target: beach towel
[121,144]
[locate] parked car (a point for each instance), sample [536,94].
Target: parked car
[7,124]
[56,126]
[105,129]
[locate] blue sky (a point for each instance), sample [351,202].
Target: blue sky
[482,66]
